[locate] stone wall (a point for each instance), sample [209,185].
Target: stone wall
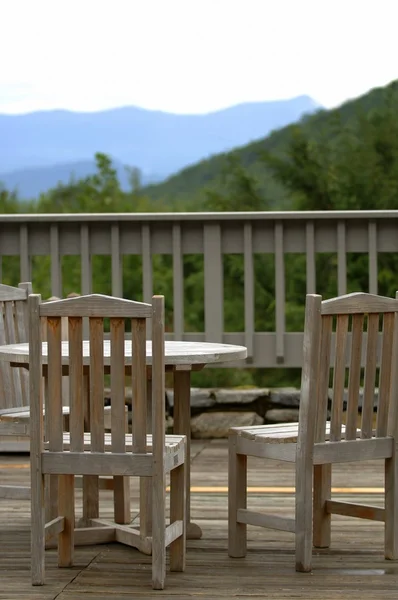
[214,411]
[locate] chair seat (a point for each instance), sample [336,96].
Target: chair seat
[173,443]
[284,433]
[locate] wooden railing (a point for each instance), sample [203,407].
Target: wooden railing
[211,235]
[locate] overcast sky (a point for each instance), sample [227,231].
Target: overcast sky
[191,56]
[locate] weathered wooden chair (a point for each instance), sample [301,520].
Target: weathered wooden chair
[371,357]
[92,454]
[14,383]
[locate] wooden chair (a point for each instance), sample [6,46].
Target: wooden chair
[14,383]
[93,454]
[314,444]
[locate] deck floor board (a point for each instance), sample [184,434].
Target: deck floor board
[353,566]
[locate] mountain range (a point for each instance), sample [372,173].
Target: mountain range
[38,150]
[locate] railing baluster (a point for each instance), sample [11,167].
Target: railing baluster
[86,269]
[24,253]
[214,285]
[310,257]
[85,260]
[341,259]
[178,287]
[56,270]
[147,276]
[116,262]
[249,288]
[147,279]
[372,242]
[279,293]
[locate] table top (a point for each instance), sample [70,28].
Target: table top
[176,353]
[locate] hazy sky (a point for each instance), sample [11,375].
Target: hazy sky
[191,55]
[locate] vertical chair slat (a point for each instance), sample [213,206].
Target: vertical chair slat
[117,385]
[121,484]
[386,366]
[370,375]
[158,432]
[6,379]
[339,377]
[76,419]
[324,372]
[354,380]
[139,386]
[12,339]
[94,405]
[97,426]
[54,408]
[21,334]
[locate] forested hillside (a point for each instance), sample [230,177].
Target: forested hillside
[335,132]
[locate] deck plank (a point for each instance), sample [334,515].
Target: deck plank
[353,566]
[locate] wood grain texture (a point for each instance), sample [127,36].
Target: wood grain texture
[176,353]
[353,567]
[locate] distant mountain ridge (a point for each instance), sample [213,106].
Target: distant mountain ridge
[31,182]
[40,149]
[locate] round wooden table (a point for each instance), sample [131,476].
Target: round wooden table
[180,357]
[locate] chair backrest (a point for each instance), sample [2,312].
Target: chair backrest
[350,345]
[14,383]
[115,312]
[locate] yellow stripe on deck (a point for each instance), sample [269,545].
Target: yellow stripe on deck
[282,490]
[221,489]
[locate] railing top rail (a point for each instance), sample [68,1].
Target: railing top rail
[199,216]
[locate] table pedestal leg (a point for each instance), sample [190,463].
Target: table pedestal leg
[182,425]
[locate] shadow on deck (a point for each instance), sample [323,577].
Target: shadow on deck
[354,566]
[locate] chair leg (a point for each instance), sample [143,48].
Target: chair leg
[66,509]
[322,492]
[237,498]
[158,532]
[391,508]
[178,513]
[304,476]
[37,531]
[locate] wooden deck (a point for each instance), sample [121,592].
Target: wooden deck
[353,567]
